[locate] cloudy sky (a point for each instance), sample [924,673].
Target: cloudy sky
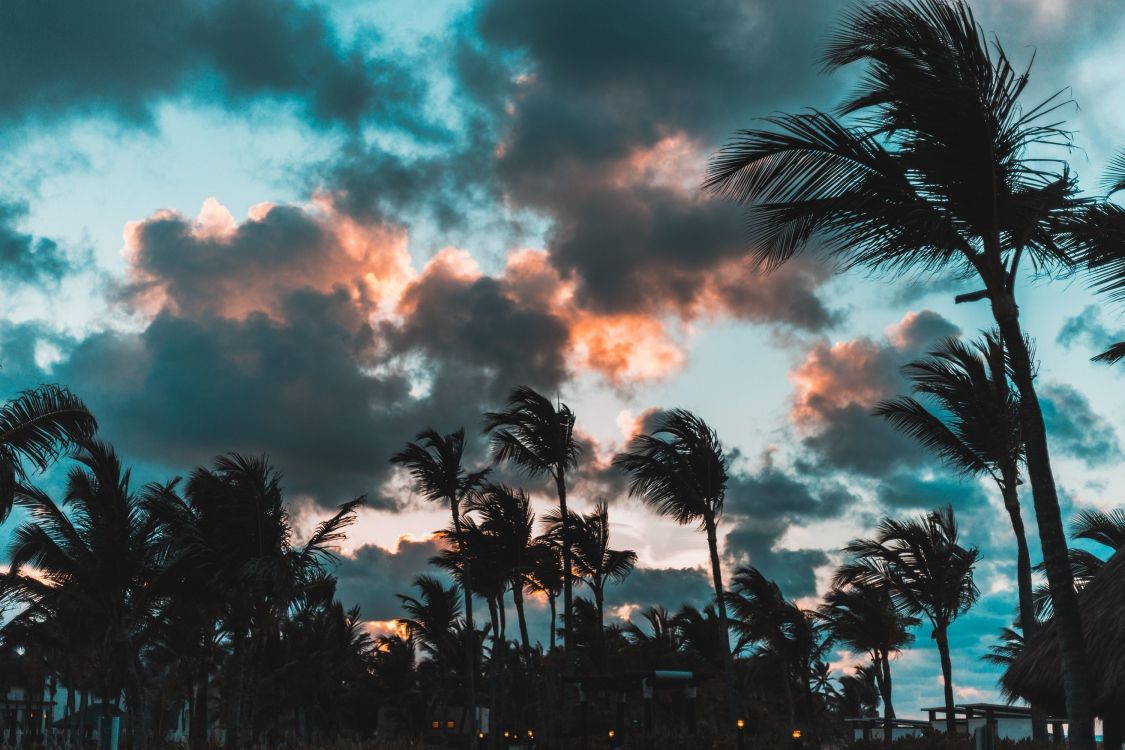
[311,230]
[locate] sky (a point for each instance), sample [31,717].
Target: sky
[312,230]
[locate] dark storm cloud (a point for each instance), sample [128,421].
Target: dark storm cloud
[604,117]
[473,322]
[121,57]
[1074,428]
[24,258]
[761,507]
[188,388]
[372,576]
[670,588]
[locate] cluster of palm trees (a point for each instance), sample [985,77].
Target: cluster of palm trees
[196,593]
[185,599]
[909,570]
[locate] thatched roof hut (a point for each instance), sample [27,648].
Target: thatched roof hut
[1036,674]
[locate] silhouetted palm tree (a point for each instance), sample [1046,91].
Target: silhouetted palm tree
[934,172]
[975,429]
[865,619]
[926,572]
[94,557]
[763,615]
[435,463]
[680,470]
[537,437]
[507,520]
[594,562]
[544,575]
[1102,225]
[38,426]
[662,637]
[253,559]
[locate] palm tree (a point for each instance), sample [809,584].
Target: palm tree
[680,470]
[663,636]
[975,429]
[435,463]
[94,557]
[594,562]
[865,619]
[926,572]
[253,562]
[507,520]
[537,437]
[479,550]
[933,173]
[544,575]
[38,426]
[763,615]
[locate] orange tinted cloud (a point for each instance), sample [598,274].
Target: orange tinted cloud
[213,265]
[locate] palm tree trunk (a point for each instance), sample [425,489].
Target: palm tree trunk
[494,676]
[568,601]
[1028,622]
[599,601]
[721,606]
[551,635]
[517,597]
[883,664]
[942,638]
[197,730]
[1072,647]
[234,691]
[787,694]
[471,650]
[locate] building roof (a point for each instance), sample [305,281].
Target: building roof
[1036,674]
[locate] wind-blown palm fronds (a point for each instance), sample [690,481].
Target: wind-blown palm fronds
[680,470]
[926,571]
[928,168]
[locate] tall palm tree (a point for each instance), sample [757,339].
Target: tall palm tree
[537,437]
[435,463]
[680,470]
[763,615]
[594,562]
[921,564]
[37,426]
[507,520]
[929,168]
[973,425]
[865,619]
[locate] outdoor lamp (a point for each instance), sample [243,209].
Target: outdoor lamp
[741,723]
[796,734]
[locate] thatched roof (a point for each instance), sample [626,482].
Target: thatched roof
[1036,674]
